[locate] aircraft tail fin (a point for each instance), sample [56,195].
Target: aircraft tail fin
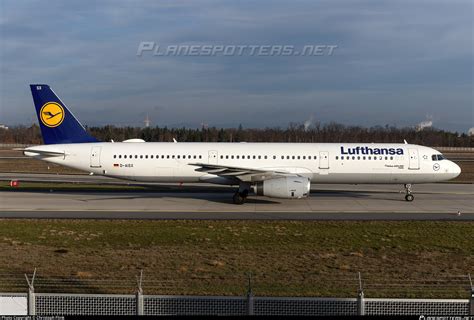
[57,123]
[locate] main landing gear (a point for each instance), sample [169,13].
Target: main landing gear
[241,194]
[409,196]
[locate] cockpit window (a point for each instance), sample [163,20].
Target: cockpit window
[437,157]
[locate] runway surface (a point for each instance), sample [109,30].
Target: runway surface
[327,202]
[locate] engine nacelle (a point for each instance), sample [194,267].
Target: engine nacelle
[286,187]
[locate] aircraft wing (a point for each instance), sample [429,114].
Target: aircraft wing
[242,173]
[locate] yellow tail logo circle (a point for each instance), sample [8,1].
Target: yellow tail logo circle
[52,114]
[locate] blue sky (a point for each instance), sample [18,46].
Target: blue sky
[397,62]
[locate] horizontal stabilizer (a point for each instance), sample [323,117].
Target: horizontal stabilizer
[50,153]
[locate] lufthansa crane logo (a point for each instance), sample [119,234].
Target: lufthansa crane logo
[52,114]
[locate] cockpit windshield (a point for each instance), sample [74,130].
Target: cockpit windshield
[437,157]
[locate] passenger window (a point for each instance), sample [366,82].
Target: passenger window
[194,157]
[265,157]
[293,157]
[358,157]
[178,156]
[274,157]
[282,157]
[232,157]
[120,156]
[146,157]
[238,157]
[309,157]
[115,156]
[337,158]
[221,157]
[353,157]
[200,157]
[227,157]
[304,157]
[259,157]
[298,157]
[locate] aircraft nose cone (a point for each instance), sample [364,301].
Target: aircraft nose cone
[456,170]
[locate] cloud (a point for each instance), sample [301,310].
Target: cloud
[395,61]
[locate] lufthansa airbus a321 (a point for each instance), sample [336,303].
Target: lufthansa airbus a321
[279,170]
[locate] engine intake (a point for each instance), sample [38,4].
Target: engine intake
[286,187]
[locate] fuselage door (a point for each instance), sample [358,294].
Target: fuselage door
[213,157]
[414,160]
[95,157]
[323,160]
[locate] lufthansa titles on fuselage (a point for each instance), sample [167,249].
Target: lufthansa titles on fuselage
[369,150]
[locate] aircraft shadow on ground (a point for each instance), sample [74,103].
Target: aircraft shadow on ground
[376,195]
[174,195]
[216,195]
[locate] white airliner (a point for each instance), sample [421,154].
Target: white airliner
[279,170]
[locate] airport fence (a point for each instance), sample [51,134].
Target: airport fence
[60,303]
[116,304]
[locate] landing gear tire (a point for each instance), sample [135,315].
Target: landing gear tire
[239,198]
[408,197]
[241,194]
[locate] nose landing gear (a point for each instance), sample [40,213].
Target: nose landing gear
[409,196]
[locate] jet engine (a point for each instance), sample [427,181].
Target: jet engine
[286,187]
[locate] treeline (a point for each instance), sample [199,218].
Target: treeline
[331,132]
